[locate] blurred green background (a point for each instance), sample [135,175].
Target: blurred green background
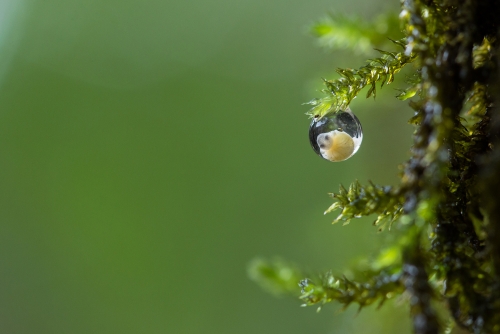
[150,149]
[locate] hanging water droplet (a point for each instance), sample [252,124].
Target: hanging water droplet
[336,136]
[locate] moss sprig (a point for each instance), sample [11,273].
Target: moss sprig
[342,91]
[377,287]
[337,31]
[277,276]
[361,201]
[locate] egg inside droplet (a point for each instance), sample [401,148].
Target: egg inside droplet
[336,136]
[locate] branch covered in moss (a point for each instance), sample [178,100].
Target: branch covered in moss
[450,185]
[416,281]
[443,170]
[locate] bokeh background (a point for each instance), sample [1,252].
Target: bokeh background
[150,149]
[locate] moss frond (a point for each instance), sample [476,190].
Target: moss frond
[277,277]
[342,91]
[372,282]
[337,31]
[377,287]
[361,201]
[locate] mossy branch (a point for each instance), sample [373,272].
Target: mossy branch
[449,186]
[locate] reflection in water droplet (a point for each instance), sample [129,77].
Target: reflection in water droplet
[336,136]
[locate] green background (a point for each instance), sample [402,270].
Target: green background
[150,149]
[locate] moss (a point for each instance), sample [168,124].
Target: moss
[451,183]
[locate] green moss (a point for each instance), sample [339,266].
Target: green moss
[341,92]
[448,200]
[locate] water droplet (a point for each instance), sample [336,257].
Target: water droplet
[336,136]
